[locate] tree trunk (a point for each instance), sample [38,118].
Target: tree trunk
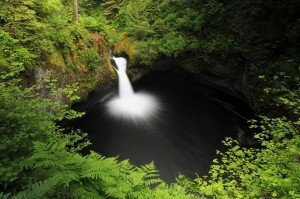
[75,10]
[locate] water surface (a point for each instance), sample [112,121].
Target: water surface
[181,138]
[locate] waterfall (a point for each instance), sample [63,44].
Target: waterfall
[125,87]
[128,104]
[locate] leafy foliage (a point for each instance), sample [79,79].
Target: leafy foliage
[45,35]
[270,172]
[39,160]
[13,57]
[46,60]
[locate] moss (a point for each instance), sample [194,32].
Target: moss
[126,46]
[67,50]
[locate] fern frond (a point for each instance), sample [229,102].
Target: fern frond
[40,189]
[82,192]
[4,195]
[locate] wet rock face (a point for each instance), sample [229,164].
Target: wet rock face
[228,73]
[229,76]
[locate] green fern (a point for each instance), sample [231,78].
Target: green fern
[87,192]
[48,165]
[40,189]
[4,195]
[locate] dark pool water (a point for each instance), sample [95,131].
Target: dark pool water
[181,138]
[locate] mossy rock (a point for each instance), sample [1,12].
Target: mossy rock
[125,48]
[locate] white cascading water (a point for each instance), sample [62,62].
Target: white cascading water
[129,104]
[125,87]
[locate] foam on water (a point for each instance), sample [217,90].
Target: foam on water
[128,104]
